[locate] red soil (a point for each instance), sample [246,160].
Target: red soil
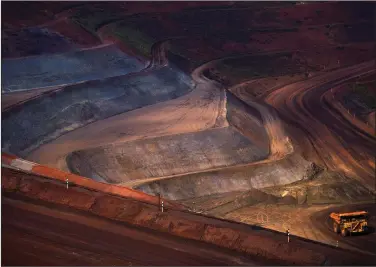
[304,39]
[163,7]
[59,175]
[257,243]
[319,13]
[28,14]
[74,32]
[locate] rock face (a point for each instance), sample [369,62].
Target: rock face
[67,68]
[169,155]
[47,117]
[243,141]
[288,170]
[372,119]
[33,41]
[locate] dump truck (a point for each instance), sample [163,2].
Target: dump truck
[350,222]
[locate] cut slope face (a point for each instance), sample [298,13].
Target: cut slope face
[255,175]
[243,141]
[200,109]
[67,68]
[169,155]
[33,41]
[48,117]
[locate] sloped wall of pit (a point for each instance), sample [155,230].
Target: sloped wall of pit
[243,142]
[43,119]
[290,169]
[167,155]
[66,68]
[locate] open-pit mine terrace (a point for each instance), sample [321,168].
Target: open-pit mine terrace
[231,133]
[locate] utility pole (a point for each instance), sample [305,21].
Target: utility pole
[67,182]
[288,235]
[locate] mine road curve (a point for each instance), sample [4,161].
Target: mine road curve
[37,233]
[339,143]
[362,242]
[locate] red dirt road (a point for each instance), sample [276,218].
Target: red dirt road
[361,242]
[36,234]
[341,146]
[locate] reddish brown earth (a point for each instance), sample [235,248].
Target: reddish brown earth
[162,7]
[28,14]
[367,241]
[74,32]
[344,151]
[303,103]
[34,233]
[37,201]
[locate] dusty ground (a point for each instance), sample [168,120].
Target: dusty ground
[302,207]
[255,129]
[75,238]
[43,200]
[308,222]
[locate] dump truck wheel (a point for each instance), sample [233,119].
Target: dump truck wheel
[344,232]
[336,228]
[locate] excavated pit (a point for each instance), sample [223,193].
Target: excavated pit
[50,116]
[291,169]
[66,68]
[179,154]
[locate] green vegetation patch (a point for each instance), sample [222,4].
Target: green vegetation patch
[239,69]
[365,93]
[93,17]
[134,38]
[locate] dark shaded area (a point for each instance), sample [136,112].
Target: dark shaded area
[42,239]
[33,41]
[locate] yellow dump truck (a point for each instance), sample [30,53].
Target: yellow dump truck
[351,222]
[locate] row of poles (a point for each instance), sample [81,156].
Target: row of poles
[161,205]
[288,237]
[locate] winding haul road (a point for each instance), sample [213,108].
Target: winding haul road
[361,242]
[337,141]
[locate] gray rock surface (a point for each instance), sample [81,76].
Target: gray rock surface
[41,120]
[66,68]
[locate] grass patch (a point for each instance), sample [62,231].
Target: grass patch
[93,17]
[249,67]
[136,39]
[366,94]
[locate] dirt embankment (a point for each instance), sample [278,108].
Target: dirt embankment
[168,155]
[81,104]
[11,100]
[252,241]
[74,32]
[371,119]
[241,177]
[155,158]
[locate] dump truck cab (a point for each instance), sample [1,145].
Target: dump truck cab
[351,222]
